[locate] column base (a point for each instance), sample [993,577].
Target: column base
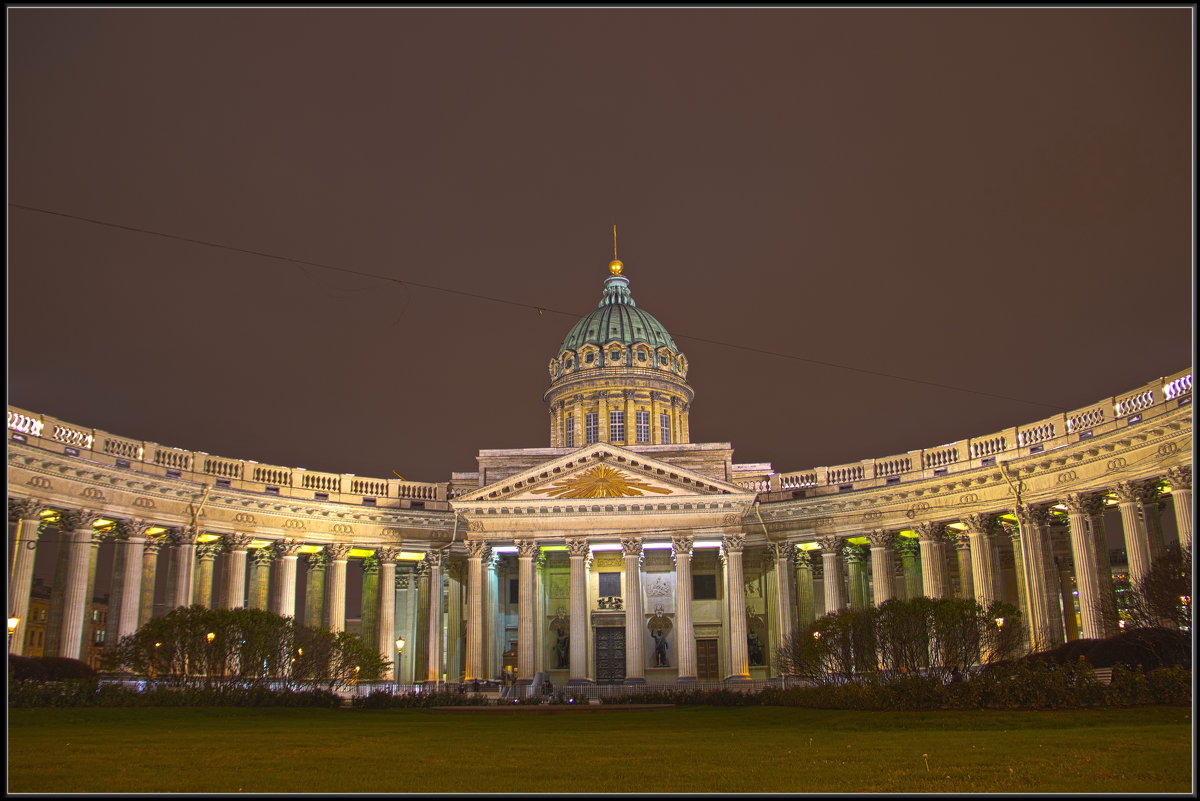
[634,681]
[686,680]
[738,679]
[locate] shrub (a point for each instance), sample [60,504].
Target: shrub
[1151,648]
[59,668]
[24,667]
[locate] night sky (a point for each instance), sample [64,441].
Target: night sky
[998,200]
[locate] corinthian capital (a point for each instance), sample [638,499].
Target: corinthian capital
[682,544]
[386,554]
[779,551]
[733,543]
[831,544]
[476,549]
[930,532]
[526,549]
[207,552]
[236,542]
[185,535]
[880,538]
[316,561]
[287,547]
[262,557]
[436,559]
[337,552]
[30,509]
[133,528]
[1081,503]
[979,524]
[1132,491]
[1180,478]
[631,546]
[1031,515]
[77,519]
[577,546]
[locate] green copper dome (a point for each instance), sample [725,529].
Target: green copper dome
[617,318]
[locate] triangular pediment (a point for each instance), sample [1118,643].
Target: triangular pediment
[598,472]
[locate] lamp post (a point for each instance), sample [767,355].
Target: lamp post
[396,669]
[13,622]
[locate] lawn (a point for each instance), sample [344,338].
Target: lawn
[689,749]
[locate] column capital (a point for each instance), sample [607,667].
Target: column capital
[208,551]
[928,531]
[962,541]
[236,542]
[25,509]
[682,544]
[831,544]
[77,519]
[1132,491]
[436,559]
[316,561]
[801,557]
[1081,503]
[631,546]
[370,565]
[476,548]
[402,580]
[1180,478]
[979,523]
[907,546]
[285,548]
[526,549]
[337,552]
[880,538]
[153,545]
[733,543]
[386,554]
[1031,515]
[578,547]
[133,528]
[856,553]
[262,557]
[184,535]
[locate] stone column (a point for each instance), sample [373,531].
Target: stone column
[385,635]
[454,617]
[983,572]
[433,669]
[910,564]
[234,594]
[202,584]
[99,537]
[1094,509]
[782,552]
[655,411]
[75,602]
[493,621]
[1068,601]
[630,417]
[527,550]
[881,565]
[685,635]
[335,587]
[406,611]
[149,576]
[933,562]
[1032,549]
[602,428]
[368,618]
[577,550]
[1137,542]
[806,602]
[831,556]
[732,546]
[420,646]
[315,567]
[473,669]
[856,575]
[1180,479]
[287,553]
[635,618]
[127,595]
[260,576]
[966,583]
[1087,570]
[184,562]
[26,515]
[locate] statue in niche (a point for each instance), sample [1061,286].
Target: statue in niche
[660,649]
[562,647]
[755,647]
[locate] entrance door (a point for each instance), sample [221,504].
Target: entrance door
[610,654]
[707,668]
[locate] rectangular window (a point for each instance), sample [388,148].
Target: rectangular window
[570,432]
[664,421]
[616,425]
[643,426]
[704,587]
[514,591]
[591,427]
[610,585]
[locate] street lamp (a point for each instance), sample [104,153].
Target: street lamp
[400,643]
[13,622]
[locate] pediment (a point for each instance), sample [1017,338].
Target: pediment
[600,472]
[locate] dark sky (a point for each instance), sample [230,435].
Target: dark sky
[994,199]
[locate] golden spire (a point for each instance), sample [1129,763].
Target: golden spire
[615,266]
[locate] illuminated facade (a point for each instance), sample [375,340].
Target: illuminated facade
[622,552]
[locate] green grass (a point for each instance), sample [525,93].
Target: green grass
[689,749]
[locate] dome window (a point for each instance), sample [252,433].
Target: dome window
[614,355]
[641,355]
[588,357]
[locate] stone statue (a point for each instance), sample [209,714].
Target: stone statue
[561,650]
[660,649]
[756,649]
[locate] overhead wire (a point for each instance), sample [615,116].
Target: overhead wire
[540,309]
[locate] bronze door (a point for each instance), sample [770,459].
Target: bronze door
[707,668]
[610,654]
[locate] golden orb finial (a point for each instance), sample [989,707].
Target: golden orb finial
[615,267]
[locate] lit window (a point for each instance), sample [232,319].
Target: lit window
[616,425]
[643,426]
[664,422]
[95,615]
[591,427]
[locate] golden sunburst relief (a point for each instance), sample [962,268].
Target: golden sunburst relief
[599,482]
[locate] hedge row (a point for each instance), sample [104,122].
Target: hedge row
[89,692]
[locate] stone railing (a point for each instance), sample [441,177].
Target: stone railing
[152,458]
[1111,414]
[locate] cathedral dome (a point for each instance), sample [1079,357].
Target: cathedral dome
[617,318]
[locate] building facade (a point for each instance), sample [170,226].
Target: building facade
[622,551]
